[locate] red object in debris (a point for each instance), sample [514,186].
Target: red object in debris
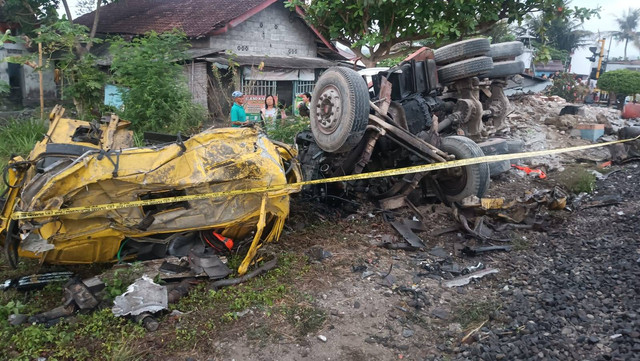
[604,165]
[631,110]
[528,170]
[218,238]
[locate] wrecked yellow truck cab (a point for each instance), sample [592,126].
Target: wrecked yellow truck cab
[79,164]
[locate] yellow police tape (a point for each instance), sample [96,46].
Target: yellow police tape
[294,186]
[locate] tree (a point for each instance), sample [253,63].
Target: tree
[628,23]
[380,29]
[30,14]
[622,82]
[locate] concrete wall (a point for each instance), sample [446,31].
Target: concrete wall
[29,80]
[275,31]
[197,81]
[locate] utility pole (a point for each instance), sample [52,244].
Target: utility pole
[601,41]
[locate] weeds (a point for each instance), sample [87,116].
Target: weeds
[19,136]
[578,179]
[475,312]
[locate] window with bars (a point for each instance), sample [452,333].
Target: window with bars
[304,86]
[259,87]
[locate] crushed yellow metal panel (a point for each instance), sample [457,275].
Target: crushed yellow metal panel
[216,160]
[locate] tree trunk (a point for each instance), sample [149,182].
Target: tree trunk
[94,28]
[66,10]
[626,42]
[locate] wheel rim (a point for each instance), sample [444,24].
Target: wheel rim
[328,109]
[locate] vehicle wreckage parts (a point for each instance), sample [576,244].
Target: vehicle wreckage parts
[505,51]
[503,69]
[464,69]
[498,104]
[470,112]
[461,50]
[461,182]
[339,109]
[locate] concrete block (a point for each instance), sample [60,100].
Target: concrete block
[590,131]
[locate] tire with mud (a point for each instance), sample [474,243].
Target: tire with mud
[503,69]
[461,182]
[461,50]
[464,69]
[506,51]
[339,110]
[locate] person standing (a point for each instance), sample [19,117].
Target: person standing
[303,108]
[270,112]
[238,115]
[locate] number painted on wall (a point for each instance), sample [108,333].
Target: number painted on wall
[243,48]
[292,51]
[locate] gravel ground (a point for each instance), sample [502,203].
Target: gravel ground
[575,295]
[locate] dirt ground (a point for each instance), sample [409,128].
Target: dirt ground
[567,289]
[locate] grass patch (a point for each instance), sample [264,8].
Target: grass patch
[19,136]
[578,179]
[305,319]
[474,313]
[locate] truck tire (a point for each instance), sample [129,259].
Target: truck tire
[461,50]
[505,51]
[464,69]
[503,69]
[339,110]
[461,182]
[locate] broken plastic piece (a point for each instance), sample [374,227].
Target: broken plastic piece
[528,170]
[461,281]
[142,296]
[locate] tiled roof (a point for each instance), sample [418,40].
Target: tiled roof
[195,17]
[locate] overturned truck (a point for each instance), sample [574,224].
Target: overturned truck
[430,108]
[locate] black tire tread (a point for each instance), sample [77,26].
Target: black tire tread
[502,69]
[506,50]
[461,50]
[478,174]
[464,69]
[358,118]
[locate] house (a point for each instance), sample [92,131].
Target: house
[271,48]
[23,80]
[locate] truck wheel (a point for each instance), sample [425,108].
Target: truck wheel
[504,69]
[506,51]
[464,69]
[461,50]
[461,182]
[339,110]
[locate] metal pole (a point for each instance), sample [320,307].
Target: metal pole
[600,58]
[40,76]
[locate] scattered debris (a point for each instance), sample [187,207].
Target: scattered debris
[461,281]
[474,251]
[322,338]
[405,230]
[142,296]
[35,281]
[318,254]
[529,171]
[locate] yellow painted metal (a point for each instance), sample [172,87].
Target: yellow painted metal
[216,160]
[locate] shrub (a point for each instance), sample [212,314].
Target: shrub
[622,81]
[286,131]
[157,98]
[567,87]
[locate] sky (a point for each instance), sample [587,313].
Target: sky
[610,9]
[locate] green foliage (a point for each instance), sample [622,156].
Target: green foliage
[19,136]
[4,87]
[472,314]
[621,81]
[30,14]
[84,81]
[566,86]
[157,98]
[378,25]
[286,131]
[501,32]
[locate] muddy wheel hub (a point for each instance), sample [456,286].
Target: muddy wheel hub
[328,109]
